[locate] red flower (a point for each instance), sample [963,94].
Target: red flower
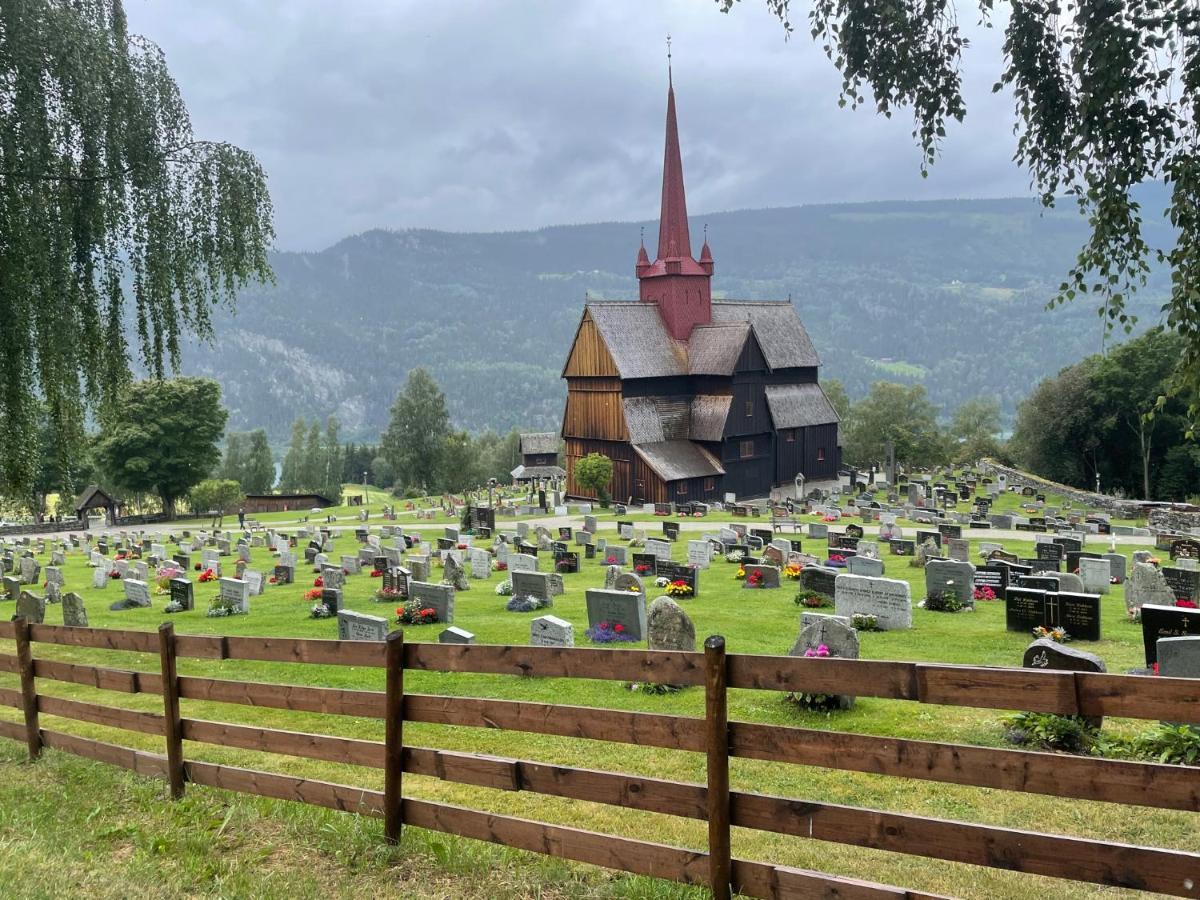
[318,581]
[345,571]
[399,610]
[1155,667]
[376,573]
[618,628]
[1186,604]
[196,567]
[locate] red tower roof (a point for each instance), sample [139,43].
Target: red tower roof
[673,238]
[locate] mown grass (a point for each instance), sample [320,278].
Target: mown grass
[168,849]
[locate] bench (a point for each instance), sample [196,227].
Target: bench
[781,518]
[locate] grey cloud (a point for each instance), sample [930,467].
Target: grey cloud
[484,116]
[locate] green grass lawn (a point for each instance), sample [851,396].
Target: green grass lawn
[122,841]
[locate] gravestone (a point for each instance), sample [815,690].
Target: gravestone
[235,592]
[454,575]
[1184,583]
[1117,566]
[522,562]
[699,554]
[864,565]
[668,627]
[958,578]
[29,570]
[627,581]
[551,631]
[456,635]
[353,626]
[902,547]
[440,597]
[182,593]
[351,564]
[331,599]
[1096,574]
[254,582]
[959,549]
[533,586]
[888,599]
[285,574]
[74,612]
[819,580]
[1147,586]
[618,607]
[768,576]
[137,592]
[481,562]
[99,578]
[1166,622]
[1179,657]
[31,607]
[994,577]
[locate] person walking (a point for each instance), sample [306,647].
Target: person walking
[242,518]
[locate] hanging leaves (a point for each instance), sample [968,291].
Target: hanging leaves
[107,199]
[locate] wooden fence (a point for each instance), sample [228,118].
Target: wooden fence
[1079,859]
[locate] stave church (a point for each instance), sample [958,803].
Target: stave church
[694,398]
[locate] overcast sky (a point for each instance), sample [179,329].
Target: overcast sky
[482,116]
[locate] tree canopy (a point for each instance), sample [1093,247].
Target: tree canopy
[162,436]
[417,432]
[103,185]
[896,413]
[1106,97]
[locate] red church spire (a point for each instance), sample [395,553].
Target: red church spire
[678,284]
[673,238]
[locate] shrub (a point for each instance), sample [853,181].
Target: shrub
[1178,744]
[812,600]
[1069,734]
[864,622]
[944,602]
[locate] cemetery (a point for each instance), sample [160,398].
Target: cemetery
[885,614]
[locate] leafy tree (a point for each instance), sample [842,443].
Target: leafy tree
[1055,434]
[974,428]
[162,436]
[233,466]
[259,473]
[898,413]
[220,494]
[331,461]
[291,474]
[417,431]
[312,467]
[65,467]
[102,178]
[382,472]
[593,474]
[460,459]
[1106,96]
[838,398]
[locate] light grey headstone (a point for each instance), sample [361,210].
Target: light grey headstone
[100,577]
[627,581]
[668,627]
[522,562]
[481,562]
[534,585]
[661,549]
[699,554]
[351,564]
[1117,566]
[254,581]
[834,632]
[54,575]
[333,577]
[456,635]
[863,565]
[137,592]
[1096,575]
[888,599]
[354,626]
[551,631]
[959,549]
[236,592]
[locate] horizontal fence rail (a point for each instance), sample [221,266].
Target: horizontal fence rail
[1099,862]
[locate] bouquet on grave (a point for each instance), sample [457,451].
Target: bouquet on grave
[792,571]
[608,633]
[679,588]
[206,576]
[414,613]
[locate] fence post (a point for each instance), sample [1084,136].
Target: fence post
[172,725]
[717,742]
[29,703]
[393,753]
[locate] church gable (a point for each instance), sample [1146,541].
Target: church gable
[589,355]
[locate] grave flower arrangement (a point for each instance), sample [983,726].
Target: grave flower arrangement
[504,589]
[734,556]
[221,607]
[318,581]
[864,622]
[563,565]
[612,561]
[206,576]
[114,574]
[272,580]
[679,588]
[792,571]
[1185,603]
[320,611]
[413,613]
[983,592]
[376,573]
[501,567]
[812,600]
[754,579]
[740,574]
[384,595]
[836,561]
[1058,634]
[314,594]
[642,569]
[943,601]
[608,633]
[197,567]
[829,518]
[815,702]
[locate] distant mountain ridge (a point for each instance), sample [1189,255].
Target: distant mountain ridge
[948,293]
